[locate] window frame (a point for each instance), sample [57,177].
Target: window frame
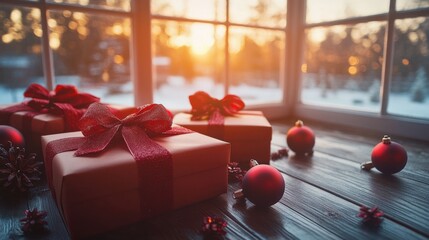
[142,78]
[380,122]
[271,110]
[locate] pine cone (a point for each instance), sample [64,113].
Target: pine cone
[17,171]
[33,222]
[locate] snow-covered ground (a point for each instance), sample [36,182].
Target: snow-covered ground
[174,95]
[399,104]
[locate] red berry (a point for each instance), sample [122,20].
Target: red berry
[389,157]
[300,138]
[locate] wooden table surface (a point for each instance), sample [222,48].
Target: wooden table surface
[321,200]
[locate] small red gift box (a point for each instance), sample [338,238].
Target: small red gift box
[102,191]
[249,132]
[39,116]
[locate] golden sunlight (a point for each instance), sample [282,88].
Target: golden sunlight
[201,38]
[352,70]
[317,35]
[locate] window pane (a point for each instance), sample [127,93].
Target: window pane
[196,9]
[256,64]
[411,4]
[270,13]
[329,10]
[342,66]
[122,5]
[409,90]
[92,52]
[20,52]
[188,57]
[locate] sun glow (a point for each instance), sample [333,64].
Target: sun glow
[201,38]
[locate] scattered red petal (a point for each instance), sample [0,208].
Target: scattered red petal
[213,226]
[371,216]
[33,222]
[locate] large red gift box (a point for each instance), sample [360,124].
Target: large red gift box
[101,191]
[249,133]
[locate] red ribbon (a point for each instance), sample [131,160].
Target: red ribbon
[205,107]
[154,162]
[65,100]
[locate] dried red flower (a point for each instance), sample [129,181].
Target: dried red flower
[235,172]
[283,152]
[371,216]
[34,222]
[213,226]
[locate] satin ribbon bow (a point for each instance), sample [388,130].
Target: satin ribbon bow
[205,107]
[99,126]
[58,100]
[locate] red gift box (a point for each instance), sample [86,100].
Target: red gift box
[248,132]
[37,117]
[101,191]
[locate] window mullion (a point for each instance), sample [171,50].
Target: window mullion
[48,67]
[226,50]
[142,54]
[387,59]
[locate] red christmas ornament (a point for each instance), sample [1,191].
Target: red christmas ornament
[11,134]
[263,185]
[387,157]
[300,139]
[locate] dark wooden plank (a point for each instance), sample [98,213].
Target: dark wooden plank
[357,147]
[336,214]
[12,209]
[276,222]
[184,223]
[402,199]
[244,222]
[41,198]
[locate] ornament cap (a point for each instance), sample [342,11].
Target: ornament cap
[386,139]
[238,194]
[367,166]
[299,123]
[253,163]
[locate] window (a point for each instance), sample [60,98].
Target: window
[357,63]
[84,43]
[218,46]
[365,64]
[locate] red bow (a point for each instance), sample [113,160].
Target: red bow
[64,100]
[99,126]
[55,101]
[206,107]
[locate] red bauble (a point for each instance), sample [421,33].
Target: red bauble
[263,185]
[11,134]
[389,157]
[300,138]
